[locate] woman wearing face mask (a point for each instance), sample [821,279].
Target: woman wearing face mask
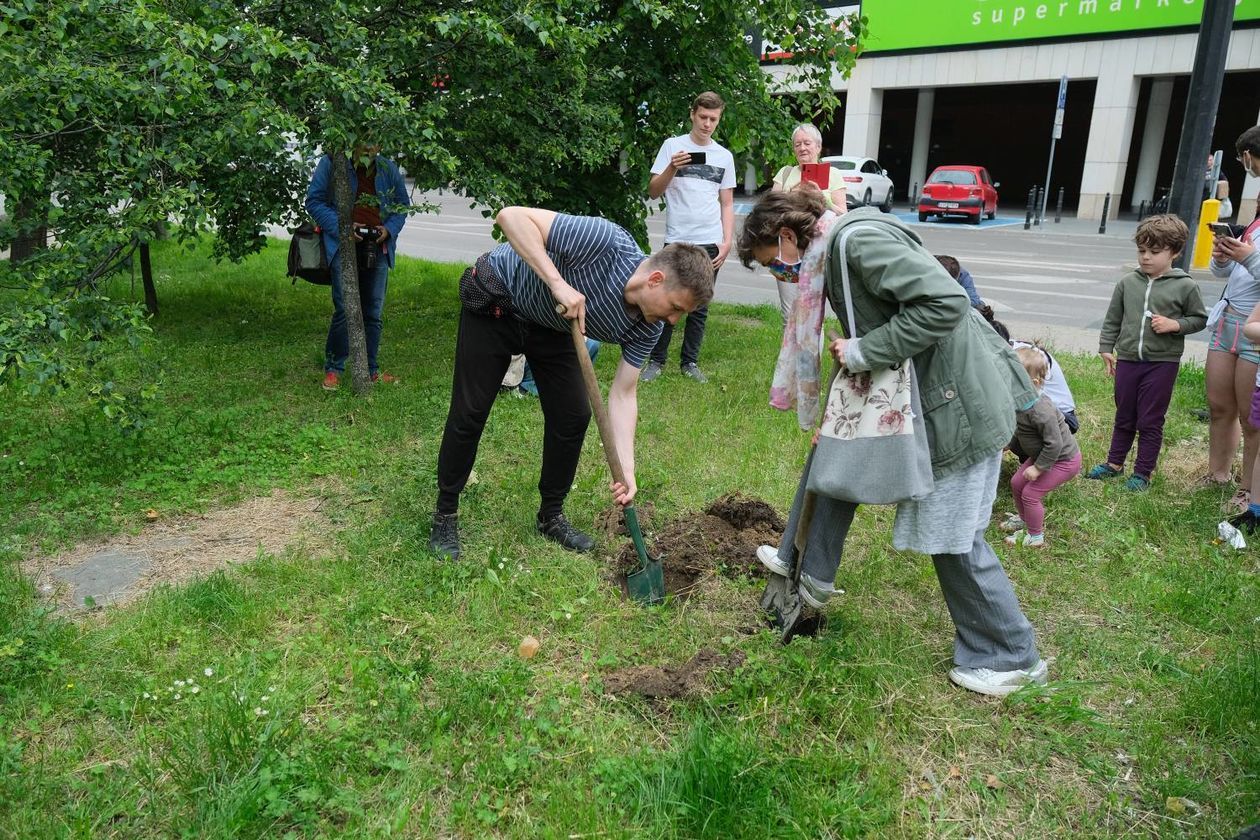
[796,261]
[1233,361]
[807,145]
[906,306]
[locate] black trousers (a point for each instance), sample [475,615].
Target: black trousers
[693,332]
[482,352]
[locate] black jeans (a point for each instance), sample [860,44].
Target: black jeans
[482,352]
[693,333]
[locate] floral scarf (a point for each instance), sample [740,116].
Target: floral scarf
[796,372]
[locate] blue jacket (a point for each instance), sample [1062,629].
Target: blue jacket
[391,191]
[964,280]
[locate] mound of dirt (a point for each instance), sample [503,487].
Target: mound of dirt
[722,540]
[670,682]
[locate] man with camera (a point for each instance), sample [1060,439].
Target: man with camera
[380,199]
[697,177]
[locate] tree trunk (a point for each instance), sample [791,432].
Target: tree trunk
[29,239]
[146,274]
[343,197]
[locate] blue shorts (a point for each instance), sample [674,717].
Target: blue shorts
[1227,337]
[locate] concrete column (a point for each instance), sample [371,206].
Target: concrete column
[1111,125]
[1245,205]
[922,140]
[1152,142]
[862,117]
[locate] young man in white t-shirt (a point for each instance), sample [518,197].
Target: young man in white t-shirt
[697,177]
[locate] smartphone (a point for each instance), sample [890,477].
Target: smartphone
[698,158]
[1221,229]
[818,174]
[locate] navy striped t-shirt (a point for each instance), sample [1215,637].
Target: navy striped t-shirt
[597,258]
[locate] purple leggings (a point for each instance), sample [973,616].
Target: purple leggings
[1143,391]
[1028,494]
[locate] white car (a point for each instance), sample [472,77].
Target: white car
[864,179]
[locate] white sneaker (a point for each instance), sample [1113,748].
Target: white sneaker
[1026,539]
[769,557]
[999,683]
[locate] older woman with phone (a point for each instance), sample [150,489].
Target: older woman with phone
[1233,360]
[807,145]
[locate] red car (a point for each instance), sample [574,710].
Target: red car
[959,191]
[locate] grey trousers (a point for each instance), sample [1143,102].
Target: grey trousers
[990,629]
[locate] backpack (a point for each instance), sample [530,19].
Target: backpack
[307,258]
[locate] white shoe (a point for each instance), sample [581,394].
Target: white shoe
[999,683]
[769,557]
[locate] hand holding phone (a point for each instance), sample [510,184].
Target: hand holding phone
[1221,229]
[698,158]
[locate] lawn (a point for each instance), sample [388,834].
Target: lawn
[354,685]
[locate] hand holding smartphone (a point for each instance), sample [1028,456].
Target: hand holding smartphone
[1221,229]
[698,158]
[818,174]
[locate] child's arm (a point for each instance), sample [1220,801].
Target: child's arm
[1111,328]
[1193,314]
[1251,329]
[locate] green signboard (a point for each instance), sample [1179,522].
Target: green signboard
[917,24]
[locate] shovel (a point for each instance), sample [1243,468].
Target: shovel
[647,584]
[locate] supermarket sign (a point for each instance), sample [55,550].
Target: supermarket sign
[914,24]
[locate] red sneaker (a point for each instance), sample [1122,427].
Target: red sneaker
[332,380]
[387,378]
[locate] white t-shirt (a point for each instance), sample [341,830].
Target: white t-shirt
[694,214]
[1055,385]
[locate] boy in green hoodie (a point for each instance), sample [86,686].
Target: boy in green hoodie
[1143,335]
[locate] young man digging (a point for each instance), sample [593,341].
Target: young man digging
[615,293]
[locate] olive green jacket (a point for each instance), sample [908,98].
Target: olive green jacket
[907,306]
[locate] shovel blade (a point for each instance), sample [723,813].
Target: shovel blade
[647,585]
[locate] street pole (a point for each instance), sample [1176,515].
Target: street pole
[1055,133]
[1202,100]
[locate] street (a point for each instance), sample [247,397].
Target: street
[1052,282]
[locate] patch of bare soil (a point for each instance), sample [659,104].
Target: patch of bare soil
[670,682]
[722,540]
[177,551]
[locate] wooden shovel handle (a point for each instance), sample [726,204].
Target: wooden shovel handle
[596,400]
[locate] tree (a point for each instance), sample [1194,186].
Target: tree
[117,118]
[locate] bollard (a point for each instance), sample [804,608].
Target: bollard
[1102,226]
[1142,210]
[1028,210]
[1038,202]
[914,194]
[1058,207]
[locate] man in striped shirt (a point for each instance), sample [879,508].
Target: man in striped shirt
[616,294]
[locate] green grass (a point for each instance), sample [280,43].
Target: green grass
[394,701]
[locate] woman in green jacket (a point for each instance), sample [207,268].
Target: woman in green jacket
[906,306]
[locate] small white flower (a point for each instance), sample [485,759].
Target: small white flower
[259,711]
[195,689]
[148,696]
[265,697]
[209,672]
[271,689]
[177,695]
[179,683]
[568,616]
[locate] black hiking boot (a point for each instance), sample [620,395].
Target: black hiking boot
[559,530]
[444,536]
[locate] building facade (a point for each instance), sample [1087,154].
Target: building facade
[978,81]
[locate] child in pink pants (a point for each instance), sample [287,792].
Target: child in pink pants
[1053,457]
